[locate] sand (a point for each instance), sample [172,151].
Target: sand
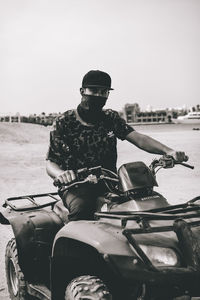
[23,149]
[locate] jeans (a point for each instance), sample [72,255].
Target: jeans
[82,201]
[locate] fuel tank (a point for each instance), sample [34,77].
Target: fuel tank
[153,201]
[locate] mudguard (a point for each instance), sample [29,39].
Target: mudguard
[104,237]
[107,238]
[4,217]
[81,247]
[34,233]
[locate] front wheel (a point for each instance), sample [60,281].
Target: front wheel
[87,287]
[15,277]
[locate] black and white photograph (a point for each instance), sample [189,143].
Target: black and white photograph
[100,149]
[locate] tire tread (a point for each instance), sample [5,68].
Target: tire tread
[87,287]
[11,252]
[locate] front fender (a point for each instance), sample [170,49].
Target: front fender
[104,237]
[81,247]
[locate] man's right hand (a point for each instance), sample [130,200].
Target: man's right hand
[66,177]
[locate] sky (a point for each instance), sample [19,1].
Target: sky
[150,48]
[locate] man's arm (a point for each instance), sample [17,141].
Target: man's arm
[150,145]
[55,172]
[54,154]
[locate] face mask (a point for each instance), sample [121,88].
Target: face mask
[90,108]
[93,103]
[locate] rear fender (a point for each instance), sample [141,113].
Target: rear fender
[34,233]
[6,215]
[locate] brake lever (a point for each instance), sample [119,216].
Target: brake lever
[167,163]
[175,162]
[58,184]
[91,178]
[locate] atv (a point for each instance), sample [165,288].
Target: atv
[137,247]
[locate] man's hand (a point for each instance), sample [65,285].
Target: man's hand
[66,177]
[179,156]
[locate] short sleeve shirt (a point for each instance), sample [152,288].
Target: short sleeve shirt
[75,145]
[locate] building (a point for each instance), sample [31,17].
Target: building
[133,114]
[41,119]
[9,117]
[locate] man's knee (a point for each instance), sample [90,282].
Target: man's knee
[81,211]
[81,206]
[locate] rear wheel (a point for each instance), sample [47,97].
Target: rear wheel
[87,287]
[15,277]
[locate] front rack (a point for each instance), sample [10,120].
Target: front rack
[31,202]
[176,213]
[186,210]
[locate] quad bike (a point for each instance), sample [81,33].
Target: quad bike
[137,247]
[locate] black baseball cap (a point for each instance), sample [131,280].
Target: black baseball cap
[96,78]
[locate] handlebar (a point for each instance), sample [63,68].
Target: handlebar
[91,179]
[185,165]
[166,162]
[93,176]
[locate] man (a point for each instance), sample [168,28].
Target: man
[86,137]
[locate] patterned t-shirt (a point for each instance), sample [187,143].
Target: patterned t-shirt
[75,145]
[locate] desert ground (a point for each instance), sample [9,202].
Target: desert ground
[22,166]
[23,149]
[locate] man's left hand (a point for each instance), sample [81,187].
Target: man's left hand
[179,156]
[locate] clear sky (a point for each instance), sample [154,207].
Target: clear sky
[151,49]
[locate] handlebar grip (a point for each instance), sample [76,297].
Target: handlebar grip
[186,165]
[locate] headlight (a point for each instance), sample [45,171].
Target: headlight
[160,256]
